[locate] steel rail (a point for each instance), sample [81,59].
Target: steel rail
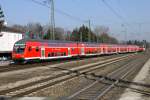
[97,82]
[113,84]
[14,67]
[64,75]
[94,83]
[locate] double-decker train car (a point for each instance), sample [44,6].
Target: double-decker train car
[30,49]
[42,49]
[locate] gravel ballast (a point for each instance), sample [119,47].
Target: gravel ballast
[141,77]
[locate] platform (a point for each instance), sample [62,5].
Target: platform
[142,77]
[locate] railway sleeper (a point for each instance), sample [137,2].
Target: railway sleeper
[120,83]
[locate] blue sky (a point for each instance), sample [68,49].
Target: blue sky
[135,14]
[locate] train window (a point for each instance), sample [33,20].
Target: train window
[19,49]
[55,54]
[103,49]
[58,54]
[73,49]
[29,49]
[61,54]
[89,51]
[37,49]
[52,53]
[49,54]
[64,53]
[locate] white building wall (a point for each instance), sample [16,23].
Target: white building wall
[7,41]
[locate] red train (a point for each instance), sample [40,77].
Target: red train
[29,49]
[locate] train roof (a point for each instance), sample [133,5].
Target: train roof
[40,40]
[22,41]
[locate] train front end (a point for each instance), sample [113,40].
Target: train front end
[18,51]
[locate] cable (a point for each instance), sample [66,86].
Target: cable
[60,12]
[115,13]
[68,15]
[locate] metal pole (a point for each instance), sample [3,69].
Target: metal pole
[89,35]
[97,37]
[80,36]
[52,19]
[140,27]
[125,32]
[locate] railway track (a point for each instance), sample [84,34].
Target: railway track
[65,74]
[97,89]
[14,67]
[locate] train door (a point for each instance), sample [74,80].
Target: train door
[104,50]
[101,49]
[42,53]
[69,52]
[82,51]
[117,50]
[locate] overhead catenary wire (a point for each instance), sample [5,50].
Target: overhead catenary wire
[120,17]
[113,11]
[61,12]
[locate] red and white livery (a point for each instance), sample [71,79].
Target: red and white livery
[29,49]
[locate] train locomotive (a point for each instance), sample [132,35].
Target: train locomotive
[32,49]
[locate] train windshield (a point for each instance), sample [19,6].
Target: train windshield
[19,49]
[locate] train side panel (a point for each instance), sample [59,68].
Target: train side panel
[30,50]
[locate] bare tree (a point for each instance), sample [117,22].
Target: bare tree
[101,29]
[19,28]
[59,33]
[34,27]
[35,30]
